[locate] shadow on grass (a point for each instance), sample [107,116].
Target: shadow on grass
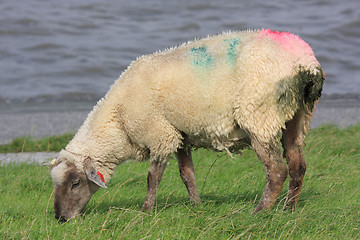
[174,201]
[245,198]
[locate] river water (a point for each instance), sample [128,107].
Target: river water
[52,51]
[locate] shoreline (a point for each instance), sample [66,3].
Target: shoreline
[49,119]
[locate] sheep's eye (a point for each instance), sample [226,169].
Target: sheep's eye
[75,184]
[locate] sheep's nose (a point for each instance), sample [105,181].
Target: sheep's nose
[60,219]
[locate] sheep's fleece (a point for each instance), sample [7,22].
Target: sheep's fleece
[217,92]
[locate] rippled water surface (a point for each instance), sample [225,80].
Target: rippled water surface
[69,50]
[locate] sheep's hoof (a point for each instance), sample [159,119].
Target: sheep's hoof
[146,208]
[289,207]
[195,201]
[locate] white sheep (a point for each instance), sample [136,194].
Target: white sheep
[226,92]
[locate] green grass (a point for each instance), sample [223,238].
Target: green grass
[46,144]
[328,208]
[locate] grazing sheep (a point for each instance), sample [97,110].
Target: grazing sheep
[225,92]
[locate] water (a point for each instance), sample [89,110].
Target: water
[69,50]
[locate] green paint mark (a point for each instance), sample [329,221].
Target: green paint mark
[231,55]
[200,57]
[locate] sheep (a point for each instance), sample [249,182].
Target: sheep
[227,92]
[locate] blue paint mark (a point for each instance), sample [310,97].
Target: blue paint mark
[200,57]
[231,55]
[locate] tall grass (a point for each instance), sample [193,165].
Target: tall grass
[328,208]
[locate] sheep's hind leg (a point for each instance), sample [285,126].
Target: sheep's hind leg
[156,171]
[187,173]
[293,142]
[276,172]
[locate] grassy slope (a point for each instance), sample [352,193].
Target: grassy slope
[229,188]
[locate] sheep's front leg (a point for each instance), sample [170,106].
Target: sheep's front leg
[276,172]
[156,171]
[187,173]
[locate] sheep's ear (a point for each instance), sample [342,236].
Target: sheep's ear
[52,163]
[94,176]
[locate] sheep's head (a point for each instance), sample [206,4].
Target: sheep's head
[72,187]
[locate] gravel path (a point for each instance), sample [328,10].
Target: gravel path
[340,112]
[29,158]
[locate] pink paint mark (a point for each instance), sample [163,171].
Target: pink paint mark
[289,42]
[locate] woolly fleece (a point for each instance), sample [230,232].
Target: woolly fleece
[214,92]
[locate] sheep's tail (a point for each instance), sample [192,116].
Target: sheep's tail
[314,81]
[302,90]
